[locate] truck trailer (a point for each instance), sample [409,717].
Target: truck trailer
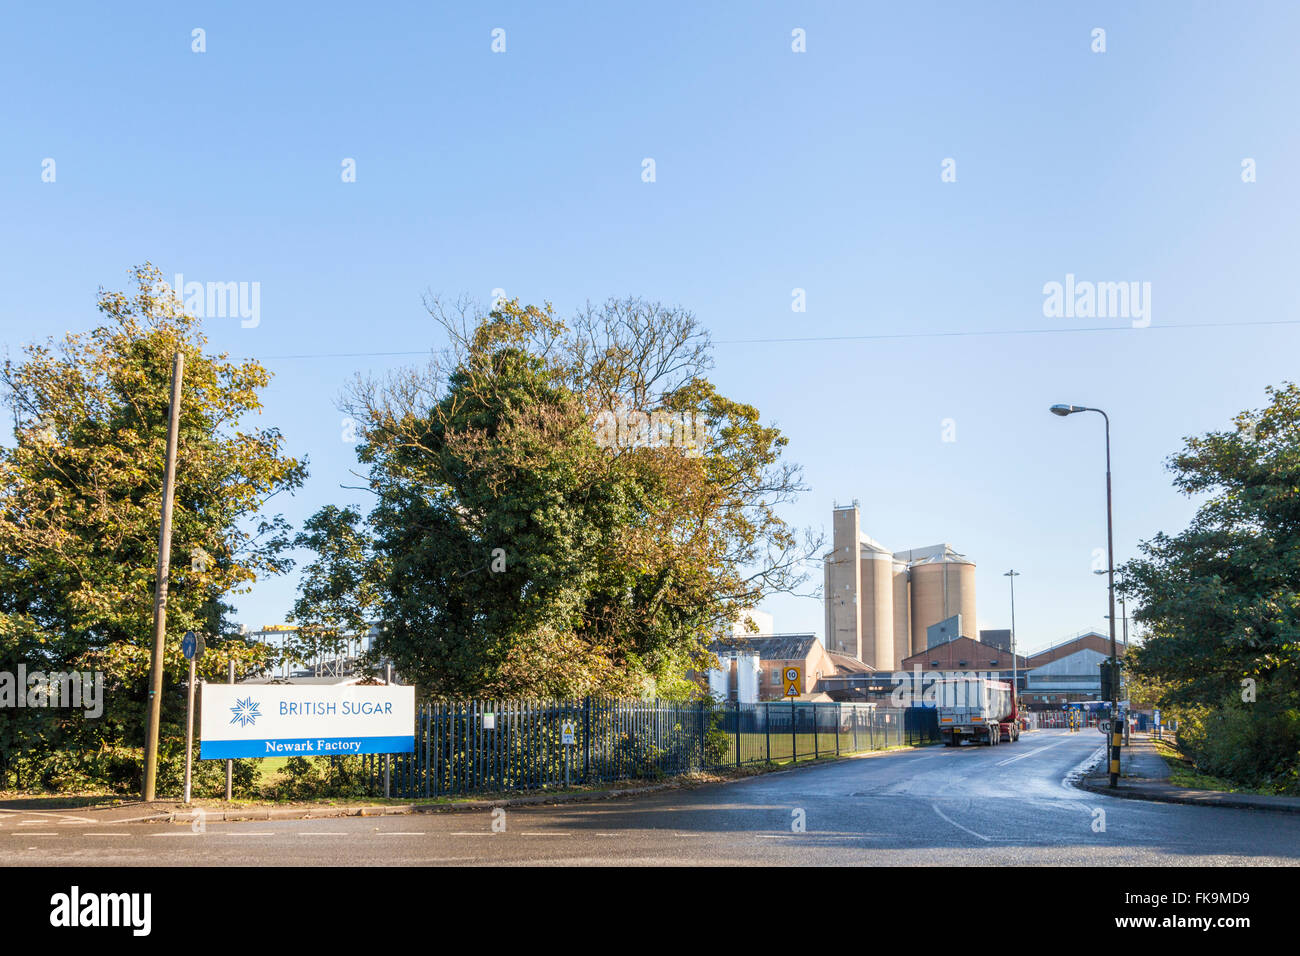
[977,709]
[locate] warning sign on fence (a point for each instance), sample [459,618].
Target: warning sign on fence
[793,681]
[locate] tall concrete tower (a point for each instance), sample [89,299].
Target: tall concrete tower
[842,587]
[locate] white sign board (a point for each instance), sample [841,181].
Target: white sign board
[567,735]
[283,720]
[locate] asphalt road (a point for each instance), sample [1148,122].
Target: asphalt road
[973,805]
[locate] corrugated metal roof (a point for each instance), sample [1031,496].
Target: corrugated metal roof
[772,647]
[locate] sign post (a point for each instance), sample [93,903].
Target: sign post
[192,646]
[230,764]
[568,740]
[793,683]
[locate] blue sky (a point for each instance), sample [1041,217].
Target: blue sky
[775,170]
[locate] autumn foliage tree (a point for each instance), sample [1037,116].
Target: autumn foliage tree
[524,556]
[80,497]
[1221,599]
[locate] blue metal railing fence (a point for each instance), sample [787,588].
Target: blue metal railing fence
[481,746]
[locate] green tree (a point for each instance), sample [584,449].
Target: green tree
[525,557]
[80,496]
[1221,600]
[338,591]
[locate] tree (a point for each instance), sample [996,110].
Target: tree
[338,592]
[1222,599]
[80,495]
[526,557]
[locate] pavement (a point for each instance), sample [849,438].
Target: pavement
[1011,804]
[170,811]
[1144,775]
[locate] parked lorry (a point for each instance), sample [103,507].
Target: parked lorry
[978,709]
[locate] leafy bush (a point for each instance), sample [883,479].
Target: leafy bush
[1254,745]
[314,778]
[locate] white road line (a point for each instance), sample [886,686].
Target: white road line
[40,834]
[1030,753]
[63,817]
[936,809]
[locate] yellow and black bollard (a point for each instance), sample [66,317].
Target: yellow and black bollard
[1116,738]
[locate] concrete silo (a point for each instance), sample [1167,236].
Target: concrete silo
[843,584]
[902,614]
[877,607]
[942,585]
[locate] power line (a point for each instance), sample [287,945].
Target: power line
[859,338]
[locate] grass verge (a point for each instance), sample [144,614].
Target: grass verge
[1183,772]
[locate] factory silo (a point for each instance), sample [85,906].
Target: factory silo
[902,615]
[877,607]
[942,585]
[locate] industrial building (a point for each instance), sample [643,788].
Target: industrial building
[1068,670]
[753,668]
[880,604]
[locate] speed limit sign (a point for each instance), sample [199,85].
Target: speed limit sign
[793,681]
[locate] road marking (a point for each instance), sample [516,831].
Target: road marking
[58,814]
[1030,753]
[935,806]
[41,834]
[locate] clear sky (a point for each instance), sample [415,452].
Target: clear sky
[774,171]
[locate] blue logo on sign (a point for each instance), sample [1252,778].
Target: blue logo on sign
[246,712]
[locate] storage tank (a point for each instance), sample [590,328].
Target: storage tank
[747,671]
[902,615]
[877,607]
[942,586]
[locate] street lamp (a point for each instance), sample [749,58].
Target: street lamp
[1015,670]
[1115,730]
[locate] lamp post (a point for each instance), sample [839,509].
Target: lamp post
[1123,608]
[1115,727]
[1015,669]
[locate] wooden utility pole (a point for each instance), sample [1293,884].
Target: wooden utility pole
[160,588]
